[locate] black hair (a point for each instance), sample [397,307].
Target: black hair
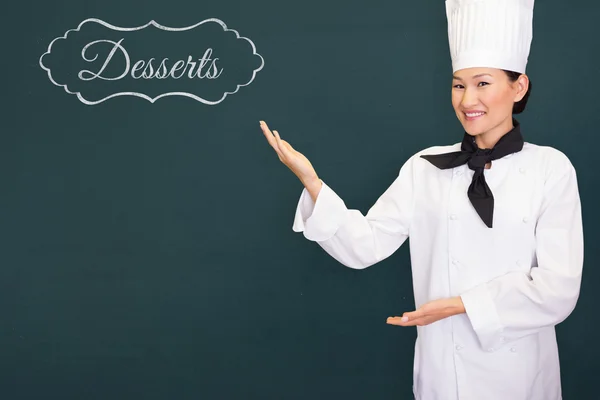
[519,106]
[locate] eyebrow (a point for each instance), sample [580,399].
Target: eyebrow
[474,76]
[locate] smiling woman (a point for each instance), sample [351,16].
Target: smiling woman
[493,272]
[484,100]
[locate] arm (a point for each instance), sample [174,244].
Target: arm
[356,240]
[518,304]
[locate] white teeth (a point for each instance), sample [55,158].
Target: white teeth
[470,115]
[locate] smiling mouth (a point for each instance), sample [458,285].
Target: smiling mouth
[474,115]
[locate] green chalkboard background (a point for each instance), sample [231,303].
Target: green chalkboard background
[146,249]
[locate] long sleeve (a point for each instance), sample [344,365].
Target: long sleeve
[518,304]
[356,240]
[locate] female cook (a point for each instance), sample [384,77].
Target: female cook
[495,227]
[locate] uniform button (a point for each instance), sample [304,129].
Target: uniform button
[458,347]
[453,216]
[525,219]
[513,349]
[458,172]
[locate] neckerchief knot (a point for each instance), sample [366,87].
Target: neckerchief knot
[479,193]
[480,158]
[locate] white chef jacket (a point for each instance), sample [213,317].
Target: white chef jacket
[517,280]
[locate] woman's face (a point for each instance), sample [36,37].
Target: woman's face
[483,100]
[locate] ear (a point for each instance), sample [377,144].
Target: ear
[521,84]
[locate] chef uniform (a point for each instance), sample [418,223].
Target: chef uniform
[517,269]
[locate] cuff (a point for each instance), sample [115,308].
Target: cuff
[481,311]
[319,220]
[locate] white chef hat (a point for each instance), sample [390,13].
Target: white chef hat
[490,33]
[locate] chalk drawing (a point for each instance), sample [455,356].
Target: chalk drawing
[118,46]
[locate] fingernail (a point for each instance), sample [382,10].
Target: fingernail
[404,319]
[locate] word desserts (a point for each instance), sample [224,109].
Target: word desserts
[98,61]
[146,67]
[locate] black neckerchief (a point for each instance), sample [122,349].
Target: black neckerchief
[479,192]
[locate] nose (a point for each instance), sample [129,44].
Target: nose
[469,99]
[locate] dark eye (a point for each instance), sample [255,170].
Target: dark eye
[458,86]
[483,83]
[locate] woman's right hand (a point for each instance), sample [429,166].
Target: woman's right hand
[294,160]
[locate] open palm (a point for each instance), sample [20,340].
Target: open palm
[293,159]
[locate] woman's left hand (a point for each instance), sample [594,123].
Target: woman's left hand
[430,312]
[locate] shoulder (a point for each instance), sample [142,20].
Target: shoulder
[549,160]
[545,153]
[438,150]
[416,157]
[415,161]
